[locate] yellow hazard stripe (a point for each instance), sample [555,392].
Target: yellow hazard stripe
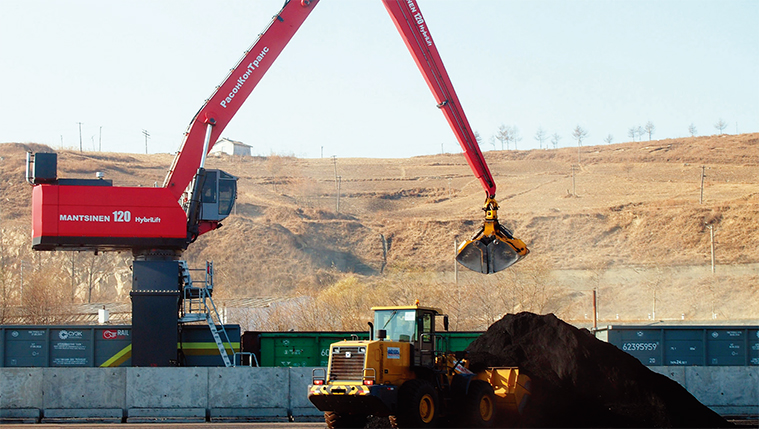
[207,348]
[119,358]
[197,349]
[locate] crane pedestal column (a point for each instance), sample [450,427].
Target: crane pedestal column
[155,302]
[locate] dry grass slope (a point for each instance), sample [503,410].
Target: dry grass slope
[627,222]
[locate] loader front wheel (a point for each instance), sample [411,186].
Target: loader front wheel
[335,420]
[479,405]
[417,405]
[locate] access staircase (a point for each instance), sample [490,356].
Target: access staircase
[198,306]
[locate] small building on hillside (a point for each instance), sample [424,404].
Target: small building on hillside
[230,147]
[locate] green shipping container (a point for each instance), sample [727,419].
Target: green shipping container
[311,349]
[300,349]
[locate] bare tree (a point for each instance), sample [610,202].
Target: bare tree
[720,125]
[632,133]
[44,301]
[640,131]
[477,138]
[492,141]
[503,135]
[579,134]
[692,130]
[555,140]
[649,128]
[540,136]
[514,136]
[608,139]
[96,270]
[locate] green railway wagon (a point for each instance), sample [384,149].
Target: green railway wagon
[311,348]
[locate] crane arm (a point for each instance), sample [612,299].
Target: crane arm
[411,25]
[208,124]
[493,248]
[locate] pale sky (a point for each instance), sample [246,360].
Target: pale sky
[347,83]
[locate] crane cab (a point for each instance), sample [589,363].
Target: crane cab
[218,195]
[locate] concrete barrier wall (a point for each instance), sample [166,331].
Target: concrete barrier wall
[248,394]
[728,390]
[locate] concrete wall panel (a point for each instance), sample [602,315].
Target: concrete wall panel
[300,378]
[84,387]
[21,388]
[245,387]
[167,387]
[724,385]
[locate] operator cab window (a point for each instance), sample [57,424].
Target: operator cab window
[399,324]
[209,188]
[227,193]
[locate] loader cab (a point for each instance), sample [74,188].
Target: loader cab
[414,324]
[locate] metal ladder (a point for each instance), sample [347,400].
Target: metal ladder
[196,308]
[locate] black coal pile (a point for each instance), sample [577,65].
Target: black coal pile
[579,381]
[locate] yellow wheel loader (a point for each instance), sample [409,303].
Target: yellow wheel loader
[400,373]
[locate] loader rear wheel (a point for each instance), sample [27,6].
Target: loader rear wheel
[417,405]
[479,405]
[335,420]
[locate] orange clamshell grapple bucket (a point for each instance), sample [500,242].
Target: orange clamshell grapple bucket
[493,248]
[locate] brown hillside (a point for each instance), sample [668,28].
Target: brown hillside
[636,206]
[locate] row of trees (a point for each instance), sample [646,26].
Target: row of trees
[509,136]
[42,287]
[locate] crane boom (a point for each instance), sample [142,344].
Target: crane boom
[493,248]
[411,25]
[224,103]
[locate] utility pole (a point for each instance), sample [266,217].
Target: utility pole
[384,253]
[703,171]
[334,162]
[146,134]
[339,180]
[711,237]
[455,263]
[574,187]
[80,136]
[595,312]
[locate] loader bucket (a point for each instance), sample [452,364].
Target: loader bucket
[512,388]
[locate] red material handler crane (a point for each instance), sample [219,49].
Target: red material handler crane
[157,224]
[84,215]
